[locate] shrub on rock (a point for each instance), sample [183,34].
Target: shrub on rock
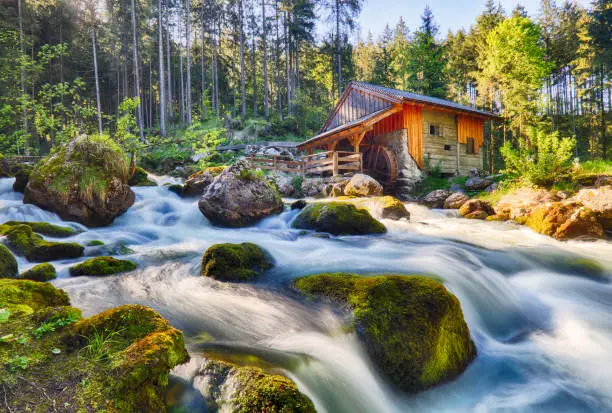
[235,262]
[363,185]
[476,209]
[251,390]
[41,272]
[240,197]
[24,241]
[565,220]
[338,218]
[99,266]
[8,263]
[412,327]
[85,180]
[140,177]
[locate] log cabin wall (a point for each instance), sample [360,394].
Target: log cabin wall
[355,105]
[442,150]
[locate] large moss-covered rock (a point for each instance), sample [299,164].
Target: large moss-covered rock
[43,228]
[116,361]
[140,177]
[85,181]
[235,262]
[99,266]
[476,209]
[198,183]
[412,327]
[240,197]
[41,272]
[8,263]
[22,240]
[565,220]
[338,218]
[251,390]
[381,207]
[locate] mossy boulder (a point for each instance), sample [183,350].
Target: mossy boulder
[140,177]
[235,262]
[381,207]
[99,266]
[240,197]
[252,390]
[565,220]
[338,218]
[176,188]
[116,361]
[41,272]
[23,241]
[94,243]
[199,182]
[413,328]
[476,209]
[22,176]
[85,180]
[43,228]
[8,263]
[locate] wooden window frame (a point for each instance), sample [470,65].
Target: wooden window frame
[435,126]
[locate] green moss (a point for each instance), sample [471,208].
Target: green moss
[41,272]
[140,177]
[102,266]
[564,221]
[235,262]
[24,241]
[412,326]
[338,218]
[44,228]
[8,263]
[176,188]
[94,243]
[45,346]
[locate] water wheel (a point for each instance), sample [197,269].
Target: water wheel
[381,164]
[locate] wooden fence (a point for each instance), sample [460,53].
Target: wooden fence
[334,162]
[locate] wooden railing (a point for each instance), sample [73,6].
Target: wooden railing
[334,162]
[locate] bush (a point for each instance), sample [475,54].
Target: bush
[541,159]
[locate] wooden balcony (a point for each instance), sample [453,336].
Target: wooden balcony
[332,162]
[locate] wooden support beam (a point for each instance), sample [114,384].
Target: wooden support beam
[335,163]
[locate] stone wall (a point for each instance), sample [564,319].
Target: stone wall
[408,172]
[442,150]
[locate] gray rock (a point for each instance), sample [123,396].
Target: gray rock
[477,184]
[455,201]
[491,188]
[363,185]
[435,199]
[456,188]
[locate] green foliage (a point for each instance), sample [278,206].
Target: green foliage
[53,324]
[252,174]
[541,159]
[18,362]
[296,183]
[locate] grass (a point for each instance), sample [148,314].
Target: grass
[598,166]
[99,344]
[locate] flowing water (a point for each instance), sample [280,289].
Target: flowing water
[539,311]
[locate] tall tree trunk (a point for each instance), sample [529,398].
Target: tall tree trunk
[203,85]
[182,85]
[242,76]
[188,42]
[254,71]
[169,64]
[26,146]
[95,62]
[338,54]
[287,58]
[264,45]
[137,72]
[162,88]
[604,138]
[279,94]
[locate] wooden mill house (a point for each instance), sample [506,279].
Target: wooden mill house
[393,135]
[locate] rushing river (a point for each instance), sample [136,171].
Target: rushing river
[540,315]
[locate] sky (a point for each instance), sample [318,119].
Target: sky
[449,14]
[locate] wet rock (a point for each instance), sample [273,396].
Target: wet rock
[43,228]
[248,389]
[85,181]
[311,187]
[476,209]
[176,188]
[338,218]
[100,266]
[455,200]
[22,176]
[235,262]
[435,199]
[198,183]
[599,200]
[299,204]
[240,197]
[491,188]
[8,263]
[140,177]
[565,220]
[412,327]
[520,203]
[477,184]
[381,207]
[363,185]
[41,272]
[22,240]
